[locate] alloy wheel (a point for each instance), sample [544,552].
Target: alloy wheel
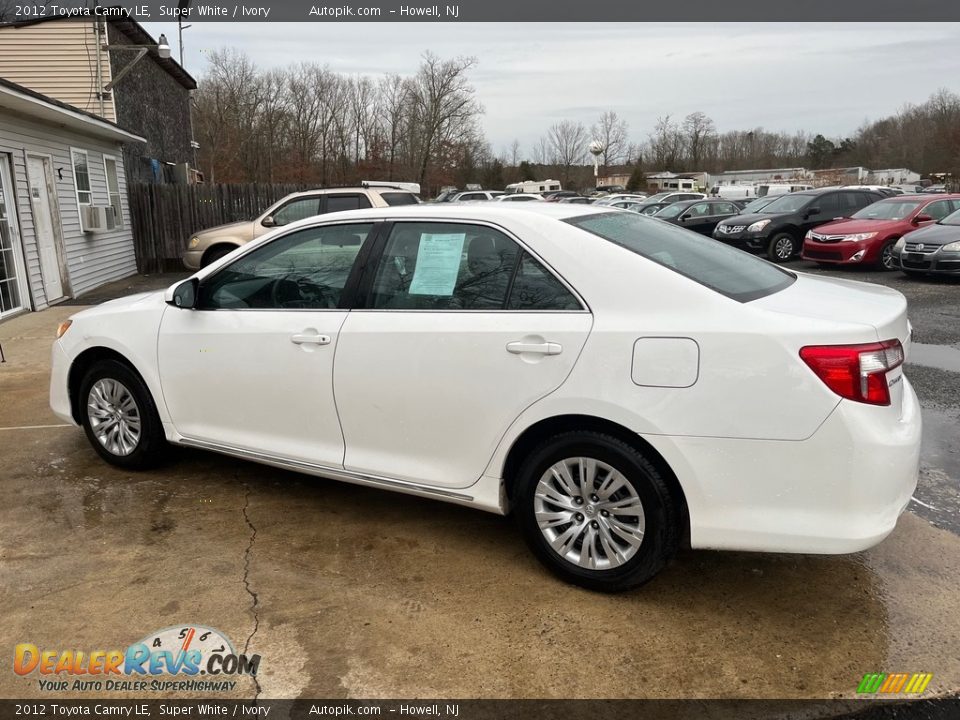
[114,416]
[589,513]
[886,257]
[784,248]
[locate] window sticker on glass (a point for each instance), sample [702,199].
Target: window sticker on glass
[438,264]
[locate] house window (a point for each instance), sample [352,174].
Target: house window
[81,177]
[113,188]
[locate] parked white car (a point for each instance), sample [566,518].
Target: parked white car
[611,199]
[518,197]
[620,384]
[477,195]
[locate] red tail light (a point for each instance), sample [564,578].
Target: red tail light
[856,372]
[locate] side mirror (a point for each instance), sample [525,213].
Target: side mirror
[268,221]
[185,295]
[812,211]
[684,218]
[922,218]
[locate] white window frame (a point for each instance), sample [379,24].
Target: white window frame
[110,193]
[76,187]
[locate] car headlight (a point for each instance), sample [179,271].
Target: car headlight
[194,242]
[809,235]
[901,244]
[758,226]
[857,237]
[951,247]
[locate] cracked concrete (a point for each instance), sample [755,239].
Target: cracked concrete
[351,592]
[254,607]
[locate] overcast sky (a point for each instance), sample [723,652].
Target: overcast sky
[825,78]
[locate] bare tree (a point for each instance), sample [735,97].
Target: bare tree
[445,109]
[611,132]
[568,146]
[698,131]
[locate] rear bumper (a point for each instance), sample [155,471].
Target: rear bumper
[839,491]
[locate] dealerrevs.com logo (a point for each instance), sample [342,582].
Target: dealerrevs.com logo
[172,659]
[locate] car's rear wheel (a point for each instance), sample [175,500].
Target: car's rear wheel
[119,416]
[886,261]
[782,247]
[595,511]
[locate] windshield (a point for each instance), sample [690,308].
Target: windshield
[659,196]
[726,270]
[787,203]
[756,205]
[887,210]
[671,211]
[951,219]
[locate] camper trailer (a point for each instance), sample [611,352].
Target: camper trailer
[534,186]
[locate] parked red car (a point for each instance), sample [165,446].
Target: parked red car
[867,237]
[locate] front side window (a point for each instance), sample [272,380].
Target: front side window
[81,177]
[724,208]
[788,204]
[113,188]
[298,209]
[305,270]
[456,266]
[736,274]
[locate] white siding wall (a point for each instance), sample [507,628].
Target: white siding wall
[92,259]
[58,59]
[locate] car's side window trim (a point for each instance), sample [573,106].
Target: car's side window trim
[364,292]
[348,295]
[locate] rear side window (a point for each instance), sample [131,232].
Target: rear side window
[731,272]
[456,266]
[399,198]
[339,203]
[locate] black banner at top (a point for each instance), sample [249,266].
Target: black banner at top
[496,10]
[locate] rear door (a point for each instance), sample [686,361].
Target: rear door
[461,329]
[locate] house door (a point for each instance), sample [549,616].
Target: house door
[41,201]
[12,285]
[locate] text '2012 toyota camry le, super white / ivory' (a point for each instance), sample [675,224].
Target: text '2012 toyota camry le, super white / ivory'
[621,385]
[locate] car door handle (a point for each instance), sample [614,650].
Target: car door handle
[310,339]
[544,348]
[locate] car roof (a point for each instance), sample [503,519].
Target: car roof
[490,212]
[349,188]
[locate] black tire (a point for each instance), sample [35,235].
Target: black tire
[215,253]
[151,442]
[885,261]
[782,247]
[661,532]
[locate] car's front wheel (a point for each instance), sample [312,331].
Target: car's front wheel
[782,247]
[119,416]
[887,261]
[595,511]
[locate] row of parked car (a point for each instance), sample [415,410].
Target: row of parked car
[917,234]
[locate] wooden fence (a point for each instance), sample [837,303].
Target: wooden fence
[165,217]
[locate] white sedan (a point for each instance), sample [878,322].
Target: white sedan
[623,386]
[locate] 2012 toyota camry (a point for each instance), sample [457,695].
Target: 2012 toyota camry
[620,384]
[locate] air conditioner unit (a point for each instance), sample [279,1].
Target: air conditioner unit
[93,218]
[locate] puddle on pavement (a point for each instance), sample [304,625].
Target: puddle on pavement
[942,357]
[937,497]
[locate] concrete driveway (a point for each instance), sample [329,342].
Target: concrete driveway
[359,593]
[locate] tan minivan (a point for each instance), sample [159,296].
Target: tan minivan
[207,246]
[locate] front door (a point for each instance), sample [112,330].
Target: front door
[12,284]
[252,367]
[38,174]
[460,332]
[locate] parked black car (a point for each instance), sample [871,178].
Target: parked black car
[650,208]
[934,249]
[778,229]
[700,216]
